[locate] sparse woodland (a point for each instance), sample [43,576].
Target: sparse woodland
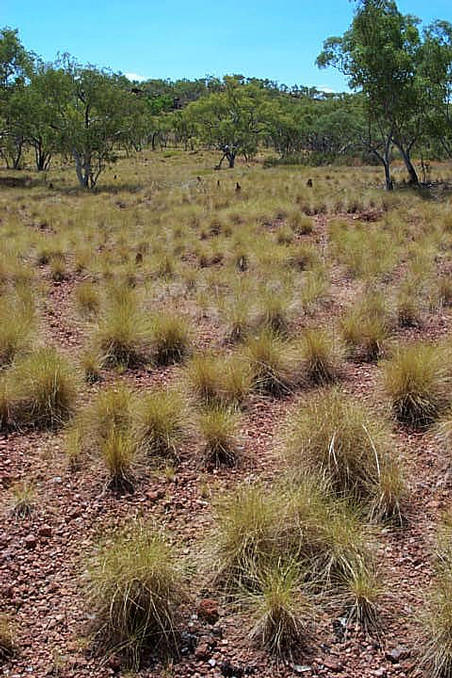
[225,395]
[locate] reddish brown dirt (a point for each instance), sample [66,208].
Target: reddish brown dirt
[42,557]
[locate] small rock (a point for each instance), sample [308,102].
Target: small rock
[45,531]
[30,541]
[397,654]
[208,610]
[332,664]
[212,662]
[202,651]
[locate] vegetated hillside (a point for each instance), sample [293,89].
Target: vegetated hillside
[225,411]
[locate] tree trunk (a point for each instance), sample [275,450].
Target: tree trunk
[231,160]
[414,179]
[42,158]
[83,169]
[388,180]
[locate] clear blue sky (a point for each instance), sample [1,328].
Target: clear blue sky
[191,38]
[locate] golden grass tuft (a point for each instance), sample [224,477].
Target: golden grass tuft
[415,380]
[135,587]
[334,437]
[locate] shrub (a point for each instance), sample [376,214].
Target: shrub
[334,437]
[218,427]
[136,590]
[41,390]
[415,380]
[160,423]
[171,339]
[282,613]
[319,357]
[7,637]
[271,363]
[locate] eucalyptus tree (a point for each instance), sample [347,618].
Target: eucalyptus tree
[95,118]
[230,120]
[16,65]
[381,54]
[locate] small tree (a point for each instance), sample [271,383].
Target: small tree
[15,69]
[96,119]
[380,54]
[229,120]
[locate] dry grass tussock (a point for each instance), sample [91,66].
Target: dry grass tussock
[136,588]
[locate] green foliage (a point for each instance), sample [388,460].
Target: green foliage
[320,357]
[124,336]
[23,495]
[104,429]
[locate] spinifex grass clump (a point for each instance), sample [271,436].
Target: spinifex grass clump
[438,613]
[218,427]
[282,613]
[123,335]
[171,338]
[7,637]
[336,438]
[87,298]
[444,434]
[136,589]
[271,361]
[273,312]
[104,429]
[247,537]
[415,380]
[219,380]
[23,498]
[41,390]
[160,423]
[365,327]
[17,326]
[258,529]
[320,357]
